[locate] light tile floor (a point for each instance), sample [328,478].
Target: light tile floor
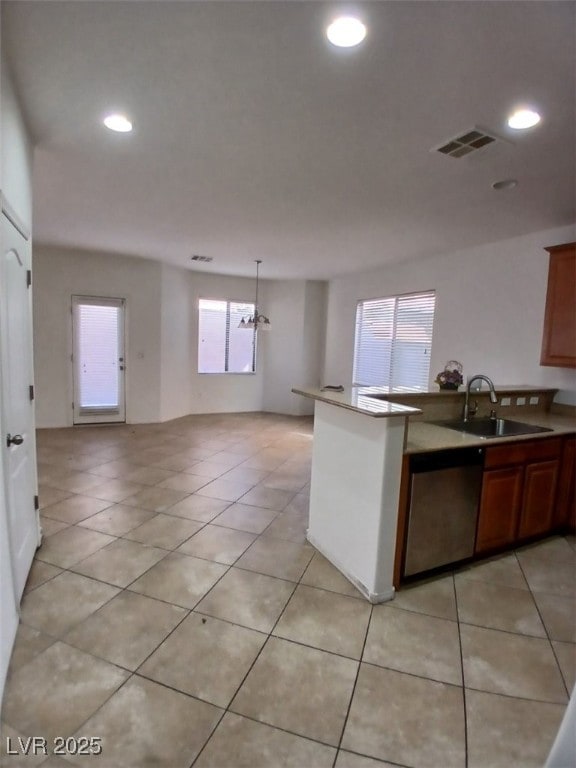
[176,612]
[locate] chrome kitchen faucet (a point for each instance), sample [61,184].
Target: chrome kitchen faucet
[468,411]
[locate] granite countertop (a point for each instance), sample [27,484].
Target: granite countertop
[425,436]
[359,399]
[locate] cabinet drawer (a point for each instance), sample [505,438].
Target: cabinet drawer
[522,452]
[544,450]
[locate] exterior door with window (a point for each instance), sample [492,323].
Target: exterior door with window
[98,359]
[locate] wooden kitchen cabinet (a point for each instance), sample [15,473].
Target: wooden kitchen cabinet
[528,490]
[559,334]
[519,489]
[540,482]
[565,509]
[499,510]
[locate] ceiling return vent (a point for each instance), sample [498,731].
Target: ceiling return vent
[203,259]
[466,143]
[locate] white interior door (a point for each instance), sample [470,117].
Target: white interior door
[18,438]
[98,359]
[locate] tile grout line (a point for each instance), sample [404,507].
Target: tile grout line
[558,667]
[269,635]
[464,701]
[349,707]
[250,668]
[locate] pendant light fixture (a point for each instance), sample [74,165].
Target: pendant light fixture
[256,321]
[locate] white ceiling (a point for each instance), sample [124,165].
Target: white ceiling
[256,139]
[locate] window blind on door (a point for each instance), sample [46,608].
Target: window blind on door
[222,346]
[97,328]
[393,342]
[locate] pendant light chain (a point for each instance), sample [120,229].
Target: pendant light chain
[256,321]
[258,262]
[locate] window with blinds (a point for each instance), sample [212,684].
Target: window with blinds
[393,342]
[222,346]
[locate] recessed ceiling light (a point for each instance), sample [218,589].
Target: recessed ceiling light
[505,184]
[346,32]
[523,118]
[118,123]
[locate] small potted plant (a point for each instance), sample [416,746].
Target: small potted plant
[451,377]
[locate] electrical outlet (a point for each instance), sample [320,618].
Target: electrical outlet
[534,400]
[505,401]
[520,401]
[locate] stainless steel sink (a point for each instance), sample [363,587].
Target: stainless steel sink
[485,428]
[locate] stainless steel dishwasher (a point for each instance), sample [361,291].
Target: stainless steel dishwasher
[444,497]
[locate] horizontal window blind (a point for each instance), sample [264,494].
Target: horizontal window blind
[212,336]
[241,342]
[222,346]
[393,342]
[98,329]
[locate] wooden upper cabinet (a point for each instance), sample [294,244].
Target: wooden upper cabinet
[559,336]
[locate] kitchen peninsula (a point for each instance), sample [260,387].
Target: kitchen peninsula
[363,440]
[356,470]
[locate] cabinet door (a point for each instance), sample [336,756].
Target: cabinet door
[540,481]
[565,509]
[559,334]
[500,504]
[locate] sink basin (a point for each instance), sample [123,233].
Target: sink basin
[485,428]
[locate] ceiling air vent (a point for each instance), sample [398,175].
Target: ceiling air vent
[203,259]
[466,143]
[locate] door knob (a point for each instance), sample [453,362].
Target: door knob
[14,440]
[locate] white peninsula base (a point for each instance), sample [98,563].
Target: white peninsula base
[356,471]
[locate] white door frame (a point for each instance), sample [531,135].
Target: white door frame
[83,415]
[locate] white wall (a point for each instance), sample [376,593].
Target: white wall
[294,346]
[16,155]
[489,310]
[59,274]
[489,315]
[162,381]
[314,342]
[176,344]
[224,393]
